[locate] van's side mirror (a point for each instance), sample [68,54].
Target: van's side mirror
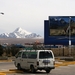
[16,56]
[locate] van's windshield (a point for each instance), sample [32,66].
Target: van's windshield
[45,54]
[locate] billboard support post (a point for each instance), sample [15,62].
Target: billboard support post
[69,37]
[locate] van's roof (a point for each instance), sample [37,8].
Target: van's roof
[34,50]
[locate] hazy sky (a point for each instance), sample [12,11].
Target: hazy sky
[30,14]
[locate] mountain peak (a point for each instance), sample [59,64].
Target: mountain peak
[18,29]
[20,33]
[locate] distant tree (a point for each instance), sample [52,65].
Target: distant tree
[8,51]
[14,50]
[1,50]
[35,46]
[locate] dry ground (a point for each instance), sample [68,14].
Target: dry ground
[19,40]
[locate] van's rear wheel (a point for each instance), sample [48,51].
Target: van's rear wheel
[32,69]
[48,70]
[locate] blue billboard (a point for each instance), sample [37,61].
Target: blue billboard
[58,30]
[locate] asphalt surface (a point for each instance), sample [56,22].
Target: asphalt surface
[62,68]
[5,66]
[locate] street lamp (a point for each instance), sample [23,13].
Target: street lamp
[2,13]
[69,36]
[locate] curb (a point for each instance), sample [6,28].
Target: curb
[56,65]
[13,70]
[2,74]
[64,63]
[16,70]
[70,63]
[5,60]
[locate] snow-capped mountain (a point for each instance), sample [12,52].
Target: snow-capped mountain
[20,33]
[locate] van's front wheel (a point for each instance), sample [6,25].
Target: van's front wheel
[19,67]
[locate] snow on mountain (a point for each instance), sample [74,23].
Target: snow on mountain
[32,35]
[20,33]
[5,35]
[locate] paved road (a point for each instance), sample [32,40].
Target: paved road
[62,70]
[6,66]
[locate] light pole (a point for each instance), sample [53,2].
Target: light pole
[2,14]
[69,36]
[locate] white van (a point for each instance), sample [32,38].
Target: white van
[34,60]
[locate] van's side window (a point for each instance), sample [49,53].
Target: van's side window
[32,55]
[24,55]
[19,54]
